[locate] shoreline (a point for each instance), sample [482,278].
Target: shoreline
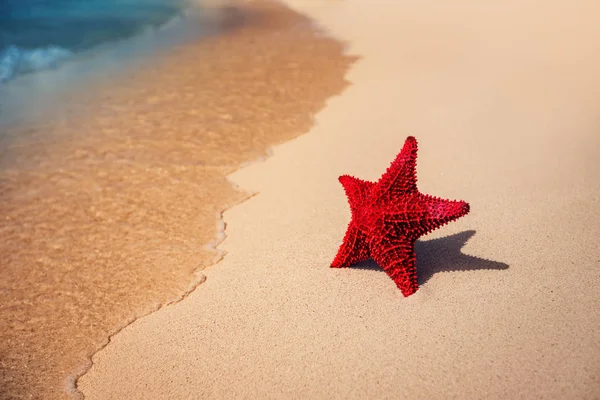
[110,207]
[504,304]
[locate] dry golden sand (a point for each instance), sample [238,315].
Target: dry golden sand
[504,99]
[106,214]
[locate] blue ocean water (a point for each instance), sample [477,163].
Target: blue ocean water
[42,34]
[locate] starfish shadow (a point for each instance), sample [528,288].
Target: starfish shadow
[443,255]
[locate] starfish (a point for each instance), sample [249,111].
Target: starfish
[388,216]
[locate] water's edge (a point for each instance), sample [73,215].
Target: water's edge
[220,236]
[324,57]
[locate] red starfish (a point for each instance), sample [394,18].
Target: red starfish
[389,216]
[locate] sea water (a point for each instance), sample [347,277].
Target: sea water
[47,46]
[41,34]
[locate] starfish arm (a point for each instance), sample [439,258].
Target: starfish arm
[401,176]
[398,260]
[356,190]
[439,211]
[354,248]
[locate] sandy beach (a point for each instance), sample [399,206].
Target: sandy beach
[110,206]
[503,99]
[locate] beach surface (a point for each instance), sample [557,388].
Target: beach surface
[503,98]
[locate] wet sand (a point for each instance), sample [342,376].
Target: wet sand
[107,210]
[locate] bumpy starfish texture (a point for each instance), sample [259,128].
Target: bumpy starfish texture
[388,216]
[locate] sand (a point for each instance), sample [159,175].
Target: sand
[503,98]
[107,207]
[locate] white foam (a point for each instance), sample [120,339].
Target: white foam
[15,61]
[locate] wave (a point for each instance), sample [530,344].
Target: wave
[15,61]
